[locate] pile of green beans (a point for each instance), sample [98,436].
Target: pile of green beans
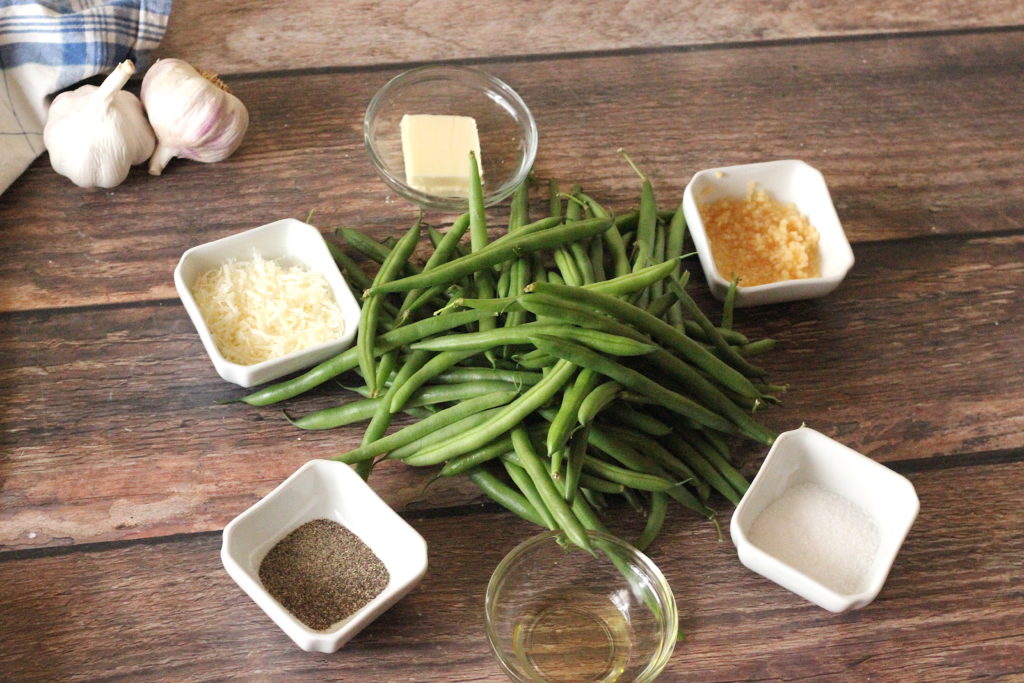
[562,367]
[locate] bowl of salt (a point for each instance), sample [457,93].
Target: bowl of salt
[823,520]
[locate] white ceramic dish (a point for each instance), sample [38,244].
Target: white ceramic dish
[805,455]
[324,489]
[294,242]
[788,181]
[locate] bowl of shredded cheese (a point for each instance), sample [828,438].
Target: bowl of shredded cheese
[771,227]
[267,302]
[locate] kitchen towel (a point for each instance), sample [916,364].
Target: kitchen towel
[49,45]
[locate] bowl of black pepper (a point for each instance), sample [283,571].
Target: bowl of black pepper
[323,555]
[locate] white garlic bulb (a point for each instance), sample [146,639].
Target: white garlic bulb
[194,115]
[96,134]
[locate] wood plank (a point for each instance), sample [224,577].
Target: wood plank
[953,603]
[110,430]
[870,114]
[269,36]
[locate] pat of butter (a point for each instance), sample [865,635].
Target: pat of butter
[436,150]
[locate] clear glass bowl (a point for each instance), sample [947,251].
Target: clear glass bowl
[558,614]
[507,130]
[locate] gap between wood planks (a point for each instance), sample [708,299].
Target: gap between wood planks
[622,52]
[916,465]
[173,301]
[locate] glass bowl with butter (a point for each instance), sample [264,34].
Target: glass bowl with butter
[420,127]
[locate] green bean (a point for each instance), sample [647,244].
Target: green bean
[655,520]
[642,422]
[612,237]
[693,381]
[555,201]
[736,480]
[693,329]
[560,510]
[354,274]
[349,359]
[522,480]
[409,453]
[564,421]
[627,377]
[443,252]
[645,229]
[596,254]
[357,411]
[503,494]
[433,367]
[471,374]
[426,426]
[631,497]
[673,250]
[756,348]
[689,349]
[591,521]
[498,305]
[479,341]
[730,304]
[385,368]
[375,251]
[702,467]
[567,267]
[478,235]
[597,400]
[367,333]
[577,251]
[467,461]
[512,414]
[633,282]
[636,461]
[574,463]
[497,252]
[621,475]
[594,483]
[729,354]
[535,360]
[595,498]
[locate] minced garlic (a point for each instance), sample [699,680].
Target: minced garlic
[760,240]
[261,309]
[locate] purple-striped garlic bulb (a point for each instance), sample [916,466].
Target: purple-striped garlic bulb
[193,113]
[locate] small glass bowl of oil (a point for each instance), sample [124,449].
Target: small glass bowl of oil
[557,613]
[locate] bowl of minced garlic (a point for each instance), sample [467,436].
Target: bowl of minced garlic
[771,227]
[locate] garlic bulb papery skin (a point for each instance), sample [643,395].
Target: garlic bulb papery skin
[96,134]
[194,116]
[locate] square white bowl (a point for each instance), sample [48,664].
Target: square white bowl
[324,489]
[788,181]
[808,456]
[293,243]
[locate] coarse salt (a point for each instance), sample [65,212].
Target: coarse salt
[821,534]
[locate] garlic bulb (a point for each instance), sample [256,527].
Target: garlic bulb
[194,115]
[96,134]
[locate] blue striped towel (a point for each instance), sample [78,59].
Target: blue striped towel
[49,45]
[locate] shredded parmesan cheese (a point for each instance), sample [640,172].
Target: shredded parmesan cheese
[760,240]
[259,309]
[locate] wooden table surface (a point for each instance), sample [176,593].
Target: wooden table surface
[119,469]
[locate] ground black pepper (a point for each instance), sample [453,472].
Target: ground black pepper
[321,572]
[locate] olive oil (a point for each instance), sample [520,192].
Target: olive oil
[575,638]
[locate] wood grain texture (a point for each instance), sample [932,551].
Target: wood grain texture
[269,36]
[913,135]
[110,430]
[167,611]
